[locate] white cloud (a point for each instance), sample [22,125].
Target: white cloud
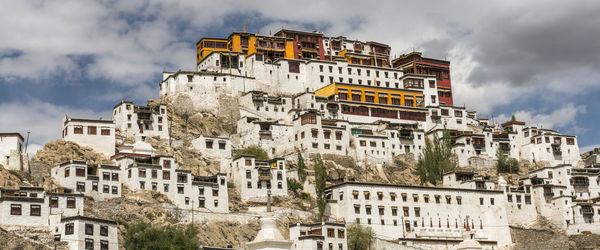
[41,118]
[564,117]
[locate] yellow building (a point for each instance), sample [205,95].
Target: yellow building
[207,45]
[377,101]
[362,59]
[271,47]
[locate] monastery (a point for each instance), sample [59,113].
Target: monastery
[305,92]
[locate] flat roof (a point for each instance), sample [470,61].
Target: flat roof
[12,134]
[413,187]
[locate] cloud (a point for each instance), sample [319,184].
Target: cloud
[42,119]
[564,117]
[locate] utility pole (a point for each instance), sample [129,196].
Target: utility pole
[269,201]
[27,156]
[192,212]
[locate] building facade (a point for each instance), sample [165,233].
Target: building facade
[97,134]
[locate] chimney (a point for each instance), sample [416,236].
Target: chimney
[244,28]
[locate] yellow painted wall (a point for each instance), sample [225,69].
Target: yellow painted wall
[203,52]
[289,49]
[251,44]
[333,88]
[236,43]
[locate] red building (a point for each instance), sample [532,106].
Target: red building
[307,45]
[415,63]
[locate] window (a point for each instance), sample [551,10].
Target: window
[142,172]
[67,172]
[80,186]
[105,189]
[166,188]
[89,229]
[180,190]
[209,144]
[417,212]
[53,202]
[294,67]
[103,245]
[94,186]
[15,209]
[166,164]
[367,194]
[78,130]
[105,131]
[104,230]
[381,210]
[105,176]
[89,244]
[221,145]
[80,172]
[69,228]
[491,201]
[215,192]
[394,211]
[115,190]
[154,174]
[357,209]
[368,209]
[115,176]
[406,211]
[459,200]
[91,130]
[166,175]
[480,201]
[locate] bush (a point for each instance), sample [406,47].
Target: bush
[436,159]
[146,236]
[256,151]
[359,237]
[294,186]
[505,163]
[230,184]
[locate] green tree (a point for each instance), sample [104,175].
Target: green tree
[301,168]
[359,237]
[320,178]
[506,164]
[294,186]
[256,151]
[142,235]
[435,159]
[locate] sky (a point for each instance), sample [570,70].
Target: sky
[538,60]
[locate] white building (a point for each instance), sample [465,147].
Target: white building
[325,235]
[274,137]
[413,213]
[160,174]
[567,196]
[97,134]
[11,151]
[148,120]
[81,232]
[97,181]
[253,178]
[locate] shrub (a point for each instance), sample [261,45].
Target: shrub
[256,151]
[142,235]
[294,186]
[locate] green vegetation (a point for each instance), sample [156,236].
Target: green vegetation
[301,168]
[320,178]
[505,163]
[256,151]
[230,184]
[359,237]
[294,186]
[435,159]
[146,236]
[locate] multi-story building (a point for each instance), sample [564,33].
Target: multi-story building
[81,232]
[11,151]
[412,213]
[132,120]
[160,174]
[325,235]
[254,178]
[97,181]
[97,134]
[415,63]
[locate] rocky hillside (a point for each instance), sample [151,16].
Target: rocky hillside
[544,235]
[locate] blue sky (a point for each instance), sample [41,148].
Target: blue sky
[537,61]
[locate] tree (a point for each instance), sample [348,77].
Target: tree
[256,151]
[142,235]
[359,237]
[301,168]
[320,178]
[506,164]
[435,159]
[183,106]
[294,186]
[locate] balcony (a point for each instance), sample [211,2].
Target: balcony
[587,211]
[580,181]
[478,145]
[548,193]
[93,178]
[556,152]
[265,133]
